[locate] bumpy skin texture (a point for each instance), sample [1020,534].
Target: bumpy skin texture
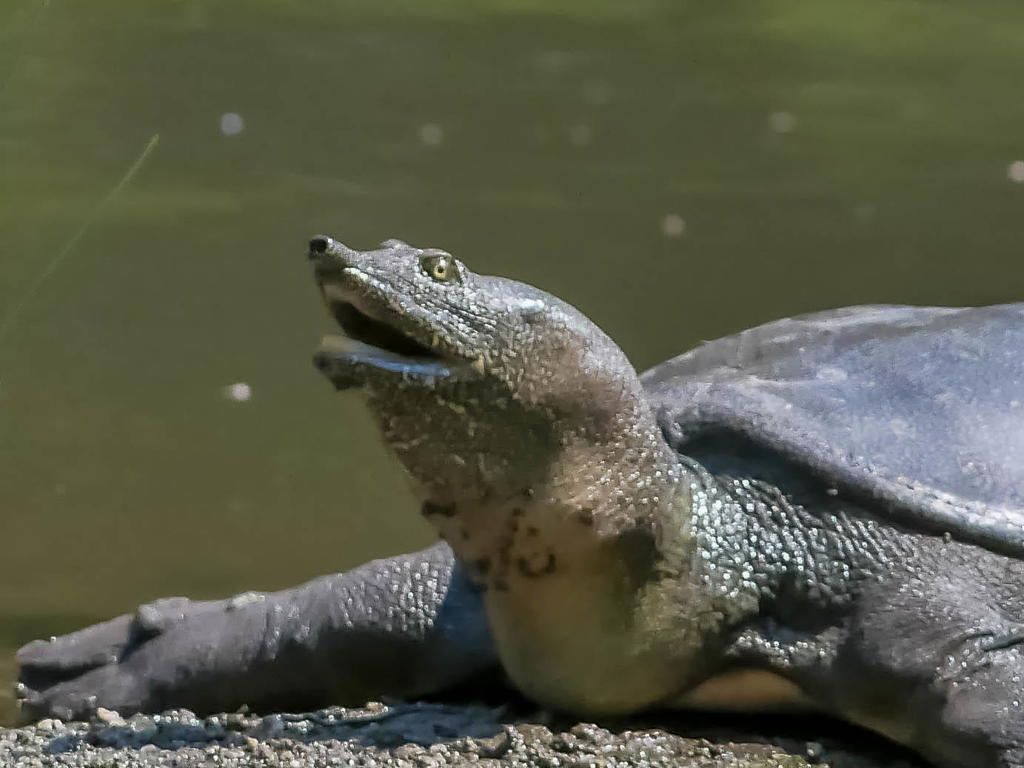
[917,636]
[761,522]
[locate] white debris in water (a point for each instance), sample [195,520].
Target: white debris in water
[781,122]
[431,134]
[231,124]
[195,15]
[596,94]
[673,225]
[240,392]
[581,135]
[864,212]
[1015,171]
[553,61]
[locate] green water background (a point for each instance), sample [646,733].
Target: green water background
[679,170]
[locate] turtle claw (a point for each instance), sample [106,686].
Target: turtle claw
[154,618]
[139,661]
[45,663]
[28,702]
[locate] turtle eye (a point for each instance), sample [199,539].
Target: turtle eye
[441,267]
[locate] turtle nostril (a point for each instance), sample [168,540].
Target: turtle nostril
[318,245]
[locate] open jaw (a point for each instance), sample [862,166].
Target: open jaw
[369,343]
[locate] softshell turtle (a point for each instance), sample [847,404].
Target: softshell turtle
[825,512]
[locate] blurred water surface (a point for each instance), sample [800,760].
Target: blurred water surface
[679,170]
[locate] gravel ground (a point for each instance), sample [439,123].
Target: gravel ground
[417,736]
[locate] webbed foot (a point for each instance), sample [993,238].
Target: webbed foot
[403,626]
[122,664]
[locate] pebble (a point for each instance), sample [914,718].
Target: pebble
[396,736]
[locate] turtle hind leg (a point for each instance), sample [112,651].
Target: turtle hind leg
[930,654]
[935,659]
[982,688]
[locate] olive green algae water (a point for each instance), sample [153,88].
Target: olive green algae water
[678,170]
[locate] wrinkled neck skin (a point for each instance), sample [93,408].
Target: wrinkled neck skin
[575,524]
[469,445]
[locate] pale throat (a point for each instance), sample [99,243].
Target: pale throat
[585,502]
[526,493]
[564,567]
[572,515]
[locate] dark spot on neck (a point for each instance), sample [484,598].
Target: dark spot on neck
[530,571]
[532,530]
[430,509]
[585,516]
[638,549]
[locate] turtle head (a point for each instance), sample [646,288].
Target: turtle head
[468,369]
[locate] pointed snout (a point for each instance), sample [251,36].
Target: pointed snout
[320,245]
[330,256]
[326,248]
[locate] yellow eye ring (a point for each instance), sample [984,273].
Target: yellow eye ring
[440,267]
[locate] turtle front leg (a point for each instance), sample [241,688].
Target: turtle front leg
[404,626]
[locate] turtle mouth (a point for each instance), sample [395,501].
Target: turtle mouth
[359,326]
[370,346]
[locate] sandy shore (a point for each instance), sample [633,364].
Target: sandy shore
[408,736]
